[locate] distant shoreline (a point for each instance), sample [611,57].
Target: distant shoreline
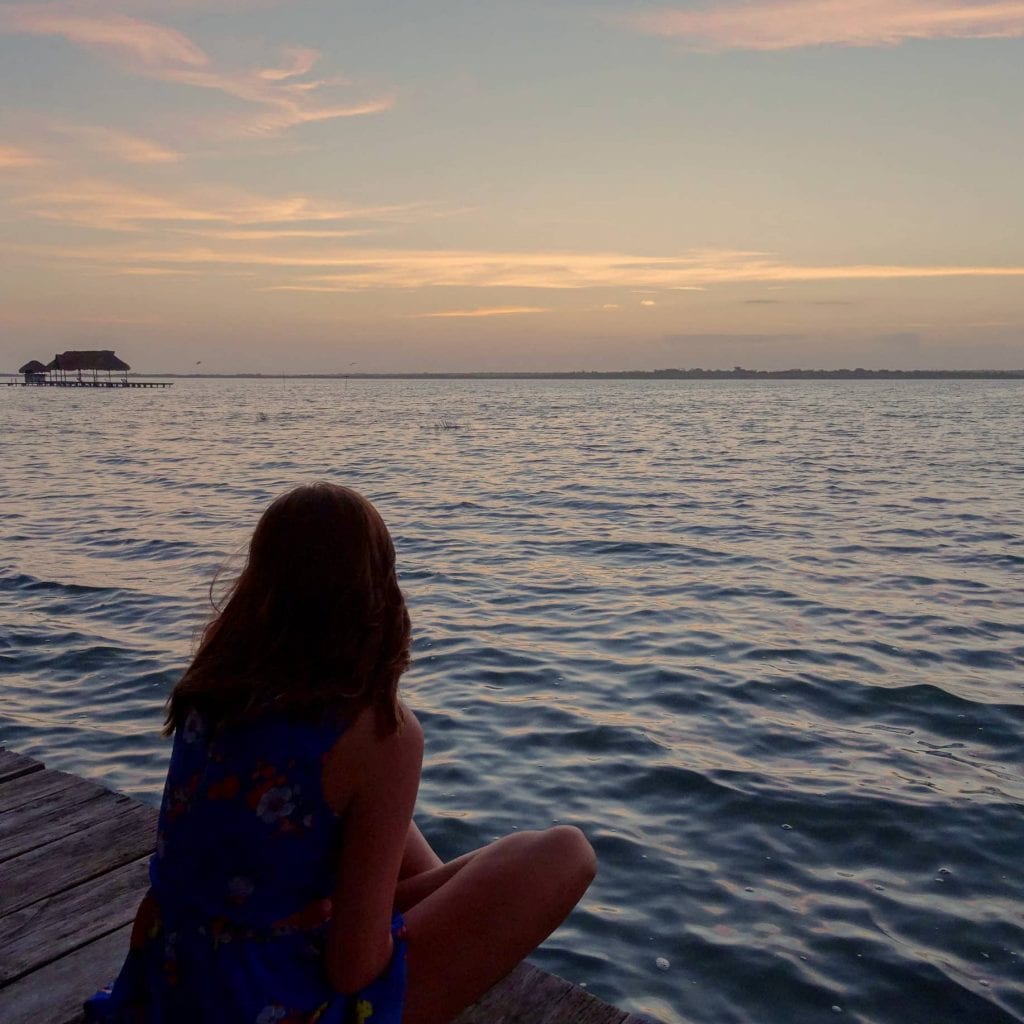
[738,373]
[735,374]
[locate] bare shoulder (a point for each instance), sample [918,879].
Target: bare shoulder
[412,731]
[364,734]
[362,756]
[401,751]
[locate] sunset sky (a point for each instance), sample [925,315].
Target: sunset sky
[320,185]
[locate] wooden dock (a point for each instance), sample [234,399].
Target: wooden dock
[74,858]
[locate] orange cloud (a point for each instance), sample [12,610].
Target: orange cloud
[344,268]
[787,24]
[272,234]
[496,311]
[156,272]
[217,213]
[15,157]
[360,269]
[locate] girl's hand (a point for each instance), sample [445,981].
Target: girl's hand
[147,920]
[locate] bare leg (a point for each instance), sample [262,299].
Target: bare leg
[418,856]
[416,888]
[489,911]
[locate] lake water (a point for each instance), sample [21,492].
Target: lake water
[763,641]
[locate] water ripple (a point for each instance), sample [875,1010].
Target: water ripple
[764,641]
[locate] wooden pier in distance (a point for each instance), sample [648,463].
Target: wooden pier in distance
[90,384]
[74,860]
[80,368]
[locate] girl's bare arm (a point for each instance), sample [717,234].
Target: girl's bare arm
[377,820]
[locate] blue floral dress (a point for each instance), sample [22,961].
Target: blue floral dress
[245,864]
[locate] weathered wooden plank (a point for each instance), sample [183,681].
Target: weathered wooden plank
[54,994]
[532,996]
[71,890]
[62,813]
[37,786]
[13,766]
[43,872]
[53,927]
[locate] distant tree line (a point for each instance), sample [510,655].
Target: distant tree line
[736,373]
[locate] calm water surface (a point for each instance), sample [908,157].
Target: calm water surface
[763,641]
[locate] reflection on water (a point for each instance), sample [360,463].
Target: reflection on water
[763,640]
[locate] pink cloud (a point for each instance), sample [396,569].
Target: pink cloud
[283,96]
[788,24]
[131,149]
[301,61]
[143,44]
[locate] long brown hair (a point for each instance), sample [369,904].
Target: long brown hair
[315,624]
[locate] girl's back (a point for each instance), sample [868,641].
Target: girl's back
[246,837]
[246,861]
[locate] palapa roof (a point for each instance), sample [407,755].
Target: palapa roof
[34,366]
[103,359]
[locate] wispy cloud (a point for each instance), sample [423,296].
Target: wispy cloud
[218,213]
[788,24]
[222,233]
[282,103]
[143,45]
[359,269]
[155,272]
[132,149]
[473,313]
[282,95]
[14,157]
[354,270]
[163,7]
[300,62]
[262,234]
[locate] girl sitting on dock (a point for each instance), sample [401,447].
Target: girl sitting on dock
[290,883]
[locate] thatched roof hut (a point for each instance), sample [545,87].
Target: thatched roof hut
[34,371]
[102,359]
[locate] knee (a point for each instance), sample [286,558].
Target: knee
[570,849]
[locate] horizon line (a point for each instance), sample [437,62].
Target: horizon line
[669,373]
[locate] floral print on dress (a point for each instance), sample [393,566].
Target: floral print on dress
[277,1014]
[194,728]
[240,889]
[178,799]
[224,789]
[245,865]
[275,804]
